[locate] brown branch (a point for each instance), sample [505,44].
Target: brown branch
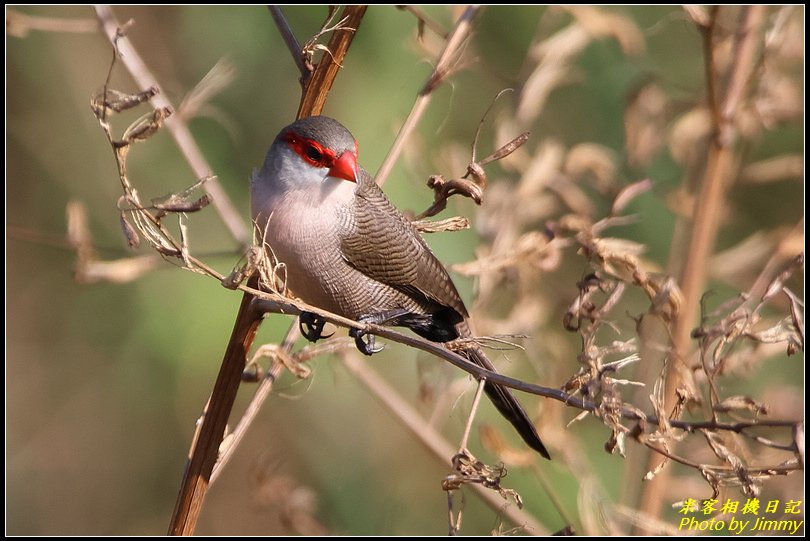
[206,446]
[205,449]
[259,396]
[178,129]
[265,387]
[317,87]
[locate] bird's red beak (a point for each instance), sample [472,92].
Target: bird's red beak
[345,167]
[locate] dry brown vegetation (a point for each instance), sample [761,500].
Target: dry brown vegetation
[659,358]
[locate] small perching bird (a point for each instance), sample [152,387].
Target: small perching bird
[349,251]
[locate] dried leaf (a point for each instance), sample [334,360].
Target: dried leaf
[495,443]
[628,193]
[721,450]
[600,23]
[456,223]
[779,168]
[688,136]
[130,232]
[277,353]
[597,162]
[506,149]
[797,315]
[175,203]
[613,247]
[218,78]
[740,402]
[783,331]
[468,469]
[146,126]
[645,120]
[113,101]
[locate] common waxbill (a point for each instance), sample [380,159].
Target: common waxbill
[348,250]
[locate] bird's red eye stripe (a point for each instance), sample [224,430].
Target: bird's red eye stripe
[311,151]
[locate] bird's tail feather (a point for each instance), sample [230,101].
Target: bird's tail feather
[508,405]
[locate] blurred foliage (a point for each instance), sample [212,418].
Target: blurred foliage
[104,382]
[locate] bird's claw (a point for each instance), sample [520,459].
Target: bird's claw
[312,326]
[366,347]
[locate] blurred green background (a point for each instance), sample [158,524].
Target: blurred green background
[104,382]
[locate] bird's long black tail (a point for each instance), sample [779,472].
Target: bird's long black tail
[454,326]
[508,405]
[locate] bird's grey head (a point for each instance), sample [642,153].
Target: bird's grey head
[323,130]
[310,150]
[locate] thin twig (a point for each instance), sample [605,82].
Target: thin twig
[471,417]
[744,62]
[313,97]
[289,39]
[19,24]
[423,19]
[277,304]
[707,33]
[783,468]
[251,411]
[450,52]
[429,437]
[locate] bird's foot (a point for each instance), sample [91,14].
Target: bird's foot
[367,346]
[387,317]
[312,326]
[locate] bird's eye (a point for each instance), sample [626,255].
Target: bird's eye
[313,153]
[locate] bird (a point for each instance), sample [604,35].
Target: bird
[349,251]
